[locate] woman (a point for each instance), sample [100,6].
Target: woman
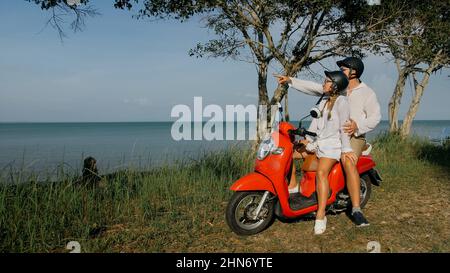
[332,143]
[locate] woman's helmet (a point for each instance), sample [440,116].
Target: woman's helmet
[353,63]
[340,81]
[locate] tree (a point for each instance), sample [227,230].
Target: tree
[293,33]
[418,41]
[423,54]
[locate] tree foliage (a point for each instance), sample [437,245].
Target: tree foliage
[59,9]
[417,39]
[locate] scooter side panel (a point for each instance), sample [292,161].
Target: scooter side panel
[308,183]
[335,178]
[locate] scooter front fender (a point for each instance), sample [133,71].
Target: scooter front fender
[253,182]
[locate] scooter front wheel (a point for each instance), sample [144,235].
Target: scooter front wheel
[241,213]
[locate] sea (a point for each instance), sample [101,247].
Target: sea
[52,147]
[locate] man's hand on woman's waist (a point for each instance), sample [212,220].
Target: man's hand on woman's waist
[350,127]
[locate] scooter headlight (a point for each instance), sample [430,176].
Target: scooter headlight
[266,147]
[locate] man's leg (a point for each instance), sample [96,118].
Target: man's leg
[354,183]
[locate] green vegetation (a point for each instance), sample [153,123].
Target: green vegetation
[181,209]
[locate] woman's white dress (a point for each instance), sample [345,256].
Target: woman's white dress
[331,140]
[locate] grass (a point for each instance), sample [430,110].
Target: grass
[181,209]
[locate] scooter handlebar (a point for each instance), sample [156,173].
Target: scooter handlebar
[302,132]
[310,133]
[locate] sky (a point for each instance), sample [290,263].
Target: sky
[120,69]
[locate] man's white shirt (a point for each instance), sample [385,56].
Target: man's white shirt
[363,102]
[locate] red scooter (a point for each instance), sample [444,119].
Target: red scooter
[263,194]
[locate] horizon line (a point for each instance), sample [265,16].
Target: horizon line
[165,121]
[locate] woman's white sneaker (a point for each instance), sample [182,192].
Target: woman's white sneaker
[320,226]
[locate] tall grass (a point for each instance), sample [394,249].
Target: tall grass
[402,154]
[44,216]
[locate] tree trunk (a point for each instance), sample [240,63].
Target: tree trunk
[414,107]
[263,99]
[395,101]
[279,94]
[286,107]
[264,122]
[265,116]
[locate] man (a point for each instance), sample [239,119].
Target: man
[364,117]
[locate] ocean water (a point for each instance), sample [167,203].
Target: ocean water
[45,147]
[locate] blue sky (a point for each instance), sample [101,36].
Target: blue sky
[122,69]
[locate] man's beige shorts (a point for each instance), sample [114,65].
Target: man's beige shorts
[358,144]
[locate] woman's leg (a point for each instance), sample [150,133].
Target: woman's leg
[322,185]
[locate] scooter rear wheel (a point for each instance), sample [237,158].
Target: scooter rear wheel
[366,190]
[241,210]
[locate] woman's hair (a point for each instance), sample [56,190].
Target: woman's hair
[340,83]
[333,97]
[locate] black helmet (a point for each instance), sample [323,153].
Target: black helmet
[340,81]
[353,63]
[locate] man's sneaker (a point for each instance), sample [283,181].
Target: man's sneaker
[359,219]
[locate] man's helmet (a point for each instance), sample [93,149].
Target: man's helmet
[340,81]
[353,63]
